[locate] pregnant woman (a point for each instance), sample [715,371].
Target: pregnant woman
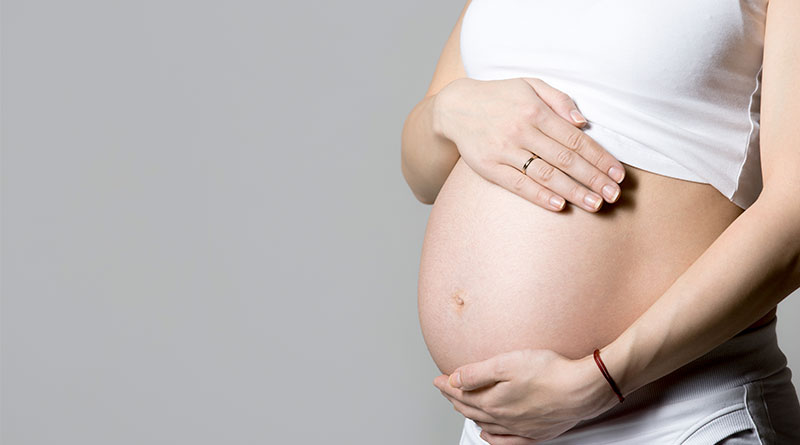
[565,303]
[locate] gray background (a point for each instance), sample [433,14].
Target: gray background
[206,235]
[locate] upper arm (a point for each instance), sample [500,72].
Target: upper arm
[780,102]
[449,67]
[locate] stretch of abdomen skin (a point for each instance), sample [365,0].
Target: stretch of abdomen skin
[499,273]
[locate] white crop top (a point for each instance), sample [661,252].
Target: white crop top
[673,87]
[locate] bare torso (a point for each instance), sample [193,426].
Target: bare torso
[499,273]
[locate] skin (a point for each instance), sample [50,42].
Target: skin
[525,396]
[490,124]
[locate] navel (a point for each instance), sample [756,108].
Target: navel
[458,298]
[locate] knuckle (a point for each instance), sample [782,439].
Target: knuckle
[486,167]
[545,172]
[582,144]
[519,183]
[533,112]
[543,196]
[565,158]
[502,145]
[598,158]
[520,355]
[488,155]
[563,97]
[595,180]
[491,410]
[517,133]
[576,191]
[500,367]
[575,140]
[516,130]
[496,411]
[466,376]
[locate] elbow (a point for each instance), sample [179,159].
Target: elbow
[425,198]
[420,187]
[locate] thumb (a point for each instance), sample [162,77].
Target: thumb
[557,100]
[479,374]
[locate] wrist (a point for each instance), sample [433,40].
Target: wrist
[596,394]
[436,114]
[621,364]
[441,105]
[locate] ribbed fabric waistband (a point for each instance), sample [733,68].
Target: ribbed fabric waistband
[748,356]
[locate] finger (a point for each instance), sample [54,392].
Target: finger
[476,398]
[513,180]
[571,161]
[557,100]
[559,182]
[497,439]
[579,142]
[483,373]
[470,411]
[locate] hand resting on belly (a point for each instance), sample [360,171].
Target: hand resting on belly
[497,126]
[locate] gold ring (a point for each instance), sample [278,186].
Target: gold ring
[525,167]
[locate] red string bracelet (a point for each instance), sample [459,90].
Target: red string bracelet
[603,369]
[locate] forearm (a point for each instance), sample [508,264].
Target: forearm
[746,272]
[427,157]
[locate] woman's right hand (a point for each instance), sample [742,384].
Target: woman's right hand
[498,124]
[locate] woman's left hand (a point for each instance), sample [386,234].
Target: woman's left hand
[521,397]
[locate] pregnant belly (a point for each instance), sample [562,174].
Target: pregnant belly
[498,273]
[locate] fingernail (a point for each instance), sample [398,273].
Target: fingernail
[577,116]
[455,380]
[592,200]
[616,174]
[610,192]
[557,202]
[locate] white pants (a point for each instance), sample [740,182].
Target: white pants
[739,393]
